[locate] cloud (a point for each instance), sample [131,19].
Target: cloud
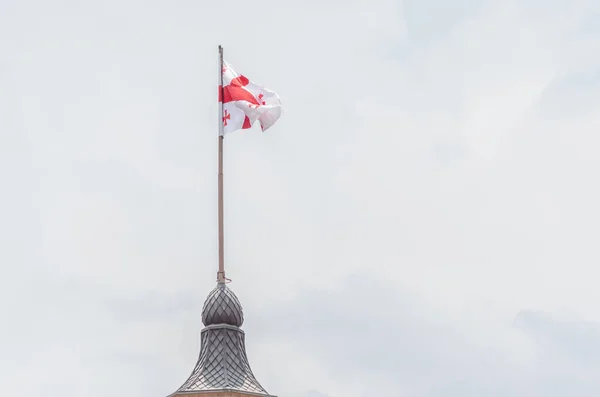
[368,336]
[437,157]
[574,338]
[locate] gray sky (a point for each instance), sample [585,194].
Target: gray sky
[422,221]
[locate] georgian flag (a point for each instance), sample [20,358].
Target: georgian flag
[244,102]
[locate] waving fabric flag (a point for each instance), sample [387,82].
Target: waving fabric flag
[245,102]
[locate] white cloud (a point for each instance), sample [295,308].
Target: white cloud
[444,155]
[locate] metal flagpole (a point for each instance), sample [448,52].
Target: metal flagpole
[221,273]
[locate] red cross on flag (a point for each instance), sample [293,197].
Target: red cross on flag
[244,102]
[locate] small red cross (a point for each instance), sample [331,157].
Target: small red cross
[260,99]
[223,69]
[226,117]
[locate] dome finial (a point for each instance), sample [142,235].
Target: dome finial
[222,307]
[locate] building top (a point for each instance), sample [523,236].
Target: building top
[222,364]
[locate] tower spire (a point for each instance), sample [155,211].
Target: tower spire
[222,368]
[222,365]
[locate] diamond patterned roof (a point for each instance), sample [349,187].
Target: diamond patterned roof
[222,307]
[222,363]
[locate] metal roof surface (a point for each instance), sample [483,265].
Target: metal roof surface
[222,363]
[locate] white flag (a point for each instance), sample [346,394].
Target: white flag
[244,102]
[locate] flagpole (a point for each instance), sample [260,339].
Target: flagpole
[221,273]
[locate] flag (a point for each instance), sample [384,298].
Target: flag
[245,102]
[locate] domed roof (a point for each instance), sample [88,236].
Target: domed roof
[222,307]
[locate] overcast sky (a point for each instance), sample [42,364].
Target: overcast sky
[423,220]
